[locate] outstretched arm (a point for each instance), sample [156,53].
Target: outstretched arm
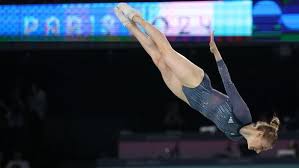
[226,79]
[239,106]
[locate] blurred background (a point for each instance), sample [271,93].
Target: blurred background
[78,91]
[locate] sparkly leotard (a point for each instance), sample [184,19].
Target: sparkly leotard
[228,112]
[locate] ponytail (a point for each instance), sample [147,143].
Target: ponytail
[275,123]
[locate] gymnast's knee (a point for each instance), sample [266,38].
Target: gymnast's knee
[166,50]
[159,62]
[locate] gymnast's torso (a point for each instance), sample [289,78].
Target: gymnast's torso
[228,112]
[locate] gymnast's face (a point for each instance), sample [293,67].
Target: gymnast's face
[258,143]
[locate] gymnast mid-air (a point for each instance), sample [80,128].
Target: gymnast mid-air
[192,85]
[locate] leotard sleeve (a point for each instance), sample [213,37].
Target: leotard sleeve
[240,109]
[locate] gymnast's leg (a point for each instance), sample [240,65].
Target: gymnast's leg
[188,73]
[150,47]
[144,40]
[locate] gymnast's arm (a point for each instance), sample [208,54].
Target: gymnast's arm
[240,108]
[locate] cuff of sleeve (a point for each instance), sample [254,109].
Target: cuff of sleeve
[220,62]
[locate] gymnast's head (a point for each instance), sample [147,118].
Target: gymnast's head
[261,136]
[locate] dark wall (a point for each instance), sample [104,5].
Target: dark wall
[93,94]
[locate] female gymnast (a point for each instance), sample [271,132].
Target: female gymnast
[192,85]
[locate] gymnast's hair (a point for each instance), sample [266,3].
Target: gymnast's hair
[270,129]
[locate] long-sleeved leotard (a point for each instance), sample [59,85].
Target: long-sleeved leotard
[229,112]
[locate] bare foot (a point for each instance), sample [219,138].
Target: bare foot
[120,15]
[128,11]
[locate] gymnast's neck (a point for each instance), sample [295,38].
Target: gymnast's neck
[248,130]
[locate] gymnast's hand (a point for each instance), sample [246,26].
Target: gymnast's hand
[213,47]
